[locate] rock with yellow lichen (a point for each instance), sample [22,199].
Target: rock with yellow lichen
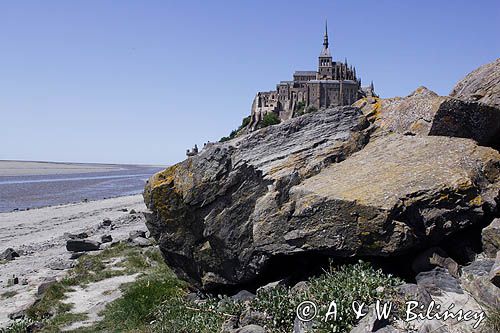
[316,185]
[423,112]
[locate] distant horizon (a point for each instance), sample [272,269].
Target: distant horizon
[93,163]
[139,83]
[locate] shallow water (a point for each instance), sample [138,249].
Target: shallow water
[22,192]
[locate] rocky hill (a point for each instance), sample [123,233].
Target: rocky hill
[409,183]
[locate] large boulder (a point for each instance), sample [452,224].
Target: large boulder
[305,187]
[203,209]
[481,85]
[423,112]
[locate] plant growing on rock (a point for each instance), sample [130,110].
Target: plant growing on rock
[343,285]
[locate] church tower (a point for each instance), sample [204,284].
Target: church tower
[325,68]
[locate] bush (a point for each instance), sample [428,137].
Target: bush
[311,109]
[269,119]
[344,285]
[232,135]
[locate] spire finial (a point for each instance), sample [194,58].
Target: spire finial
[325,40]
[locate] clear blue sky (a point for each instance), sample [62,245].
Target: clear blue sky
[141,81]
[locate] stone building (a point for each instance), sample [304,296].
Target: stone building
[334,83]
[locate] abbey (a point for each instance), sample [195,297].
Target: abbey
[334,83]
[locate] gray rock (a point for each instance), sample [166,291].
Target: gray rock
[106,222]
[46,284]
[297,187]
[76,255]
[229,325]
[249,317]
[300,326]
[270,286]
[70,236]
[481,85]
[423,112]
[59,264]
[495,271]
[141,242]
[17,314]
[82,245]
[9,254]
[243,296]
[251,329]
[132,211]
[491,238]
[437,281]
[106,239]
[479,267]
[433,257]
[192,297]
[413,292]
[137,233]
[81,235]
[300,287]
[482,290]
[433,326]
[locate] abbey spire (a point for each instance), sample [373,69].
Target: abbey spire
[325,53]
[325,39]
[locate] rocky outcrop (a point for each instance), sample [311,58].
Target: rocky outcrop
[481,85]
[311,186]
[205,209]
[423,112]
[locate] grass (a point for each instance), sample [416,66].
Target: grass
[134,311]
[157,303]
[51,309]
[493,320]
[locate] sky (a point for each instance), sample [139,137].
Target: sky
[141,81]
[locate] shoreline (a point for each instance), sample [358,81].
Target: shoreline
[15,168]
[19,210]
[38,236]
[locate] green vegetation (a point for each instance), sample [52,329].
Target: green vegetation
[301,109]
[269,119]
[493,320]
[19,326]
[120,259]
[311,109]
[157,301]
[136,309]
[164,307]
[232,135]
[344,285]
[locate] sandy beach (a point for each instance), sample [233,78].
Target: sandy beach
[38,236]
